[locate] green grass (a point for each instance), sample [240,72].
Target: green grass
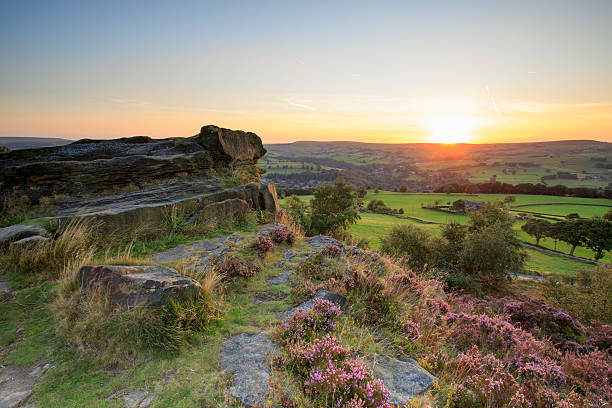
[189,379]
[585,211]
[374,226]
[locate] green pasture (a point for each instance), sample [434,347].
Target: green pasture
[374,226]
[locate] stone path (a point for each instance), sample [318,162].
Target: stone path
[140,398]
[247,357]
[280,279]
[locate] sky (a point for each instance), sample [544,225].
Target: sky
[426,71]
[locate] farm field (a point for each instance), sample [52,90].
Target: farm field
[373,226]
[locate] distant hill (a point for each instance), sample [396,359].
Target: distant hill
[423,166]
[17,143]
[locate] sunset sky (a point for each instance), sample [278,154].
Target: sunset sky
[374,71]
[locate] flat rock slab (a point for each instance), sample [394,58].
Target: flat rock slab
[266,228]
[201,252]
[322,241]
[145,286]
[247,357]
[309,304]
[16,383]
[268,297]
[232,238]
[20,231]
[280,279]
[404,378]
[34,239]
[140,398]
[4,287]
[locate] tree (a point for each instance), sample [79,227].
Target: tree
[572,232]
[598,236]
[537,228]
[334,207]
[410,242]
[403,189]
[471,189]
[4,149]
[361,192]
[608,216]
[509,199]
[297,208]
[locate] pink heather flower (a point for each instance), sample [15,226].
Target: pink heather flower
[263,244]
[411,330]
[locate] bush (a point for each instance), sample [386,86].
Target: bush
[281,234]
[415,244]
[303,325]
[587,296]
[231,267]
[333,380]
[332,250]
[263,245]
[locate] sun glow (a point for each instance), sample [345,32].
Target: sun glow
[450,129]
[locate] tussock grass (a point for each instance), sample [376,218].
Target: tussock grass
[72,245]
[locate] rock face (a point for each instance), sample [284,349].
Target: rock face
[95,165]
[201,252]
[129,182]
[404,378]
[247,357]
[146,286]
[18,232]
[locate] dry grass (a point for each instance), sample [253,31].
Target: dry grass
[71,245]
[283,217]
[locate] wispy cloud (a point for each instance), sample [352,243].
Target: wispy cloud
[494,104]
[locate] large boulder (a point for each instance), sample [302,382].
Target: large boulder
[404,378]
[230,145]
[228,210]
[144,286]
[18,232]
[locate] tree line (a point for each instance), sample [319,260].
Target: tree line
[523,188]
[593,233]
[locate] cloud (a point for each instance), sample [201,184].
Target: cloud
[300,105]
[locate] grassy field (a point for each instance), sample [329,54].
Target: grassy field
[374,226]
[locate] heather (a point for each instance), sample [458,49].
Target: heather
[514,351]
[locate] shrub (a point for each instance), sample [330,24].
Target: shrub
[328,375]
[415,244]
[231,267]
[411,330]
[281,234]
[332,250]
[263,244]
[303,325]
[588,296]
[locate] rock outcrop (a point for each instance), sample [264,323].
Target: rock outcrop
[130,182]
[145,286]
[94,166]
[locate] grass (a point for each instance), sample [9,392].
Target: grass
[373,226]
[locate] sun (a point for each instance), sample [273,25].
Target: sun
[450,129]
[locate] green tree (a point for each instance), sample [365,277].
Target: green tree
[297,208]
[361,192]
[509,199]
[411,243]
[4,149]
[537,228]
[334,207]
[403,189]
[571,232]
[608,216]
[598,236]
